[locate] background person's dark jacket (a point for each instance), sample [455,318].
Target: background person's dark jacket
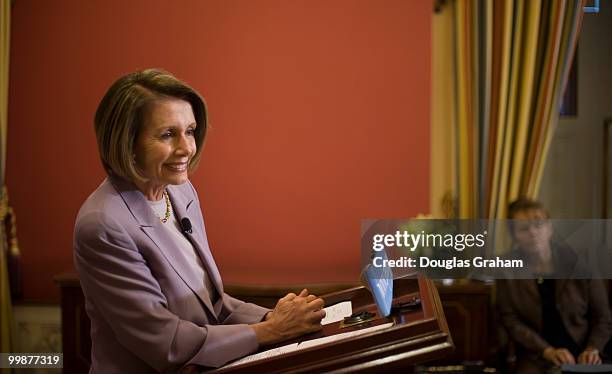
[582,305]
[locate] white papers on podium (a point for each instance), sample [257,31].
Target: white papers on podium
[344,335]
[265,354]
[307,344]
[337,312]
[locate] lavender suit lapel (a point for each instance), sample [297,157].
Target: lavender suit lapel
[162,239]
[159,235]
[187,208]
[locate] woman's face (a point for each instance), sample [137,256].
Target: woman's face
[166,143]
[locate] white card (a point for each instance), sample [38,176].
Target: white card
[337,312]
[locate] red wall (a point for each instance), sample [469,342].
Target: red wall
[320,115]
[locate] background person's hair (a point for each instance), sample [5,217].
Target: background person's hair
[523,204]
[119,117]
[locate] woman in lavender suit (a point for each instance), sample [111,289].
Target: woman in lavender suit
[153,292]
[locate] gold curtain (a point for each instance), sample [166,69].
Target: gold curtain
[442,149]
[8,243]
[511,61]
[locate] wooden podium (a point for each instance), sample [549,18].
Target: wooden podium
[417,336]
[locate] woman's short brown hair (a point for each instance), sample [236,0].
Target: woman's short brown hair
[119,117]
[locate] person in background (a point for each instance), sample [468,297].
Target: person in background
[153,292]
[554,321]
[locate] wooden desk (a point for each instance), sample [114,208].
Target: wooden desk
[470,313]
[76,341]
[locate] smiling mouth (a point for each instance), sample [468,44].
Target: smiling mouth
[181,167]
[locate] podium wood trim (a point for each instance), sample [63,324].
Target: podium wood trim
[418,336]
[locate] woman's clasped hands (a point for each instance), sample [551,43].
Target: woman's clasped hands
[293,315]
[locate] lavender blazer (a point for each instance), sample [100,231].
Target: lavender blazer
[148,311]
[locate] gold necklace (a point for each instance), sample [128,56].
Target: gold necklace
[168,208]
